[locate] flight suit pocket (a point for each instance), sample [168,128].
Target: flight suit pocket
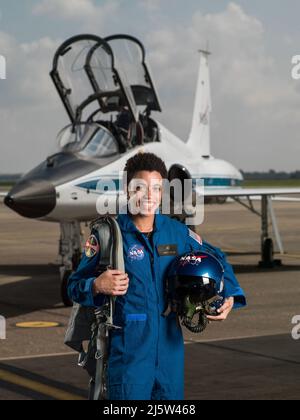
[136,334]
[135,364]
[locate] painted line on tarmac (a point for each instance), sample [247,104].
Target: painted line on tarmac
[251,353]
[38,387]
[37,325]
[250,253]
[236,338]
[38,356]
[290,256]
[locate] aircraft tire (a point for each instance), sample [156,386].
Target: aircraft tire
[268,251]
[221,200]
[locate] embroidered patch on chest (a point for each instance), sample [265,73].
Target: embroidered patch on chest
[136,253]
[92,247]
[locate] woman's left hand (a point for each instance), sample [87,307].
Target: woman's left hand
[224,311]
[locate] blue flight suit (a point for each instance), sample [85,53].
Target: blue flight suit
[146,359]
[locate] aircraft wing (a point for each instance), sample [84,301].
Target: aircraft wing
[250,192]
[277,198]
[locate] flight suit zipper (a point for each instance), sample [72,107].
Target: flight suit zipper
[151,249]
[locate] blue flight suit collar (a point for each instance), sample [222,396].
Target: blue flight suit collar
[126,222]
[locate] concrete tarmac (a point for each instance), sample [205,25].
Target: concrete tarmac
[250,356]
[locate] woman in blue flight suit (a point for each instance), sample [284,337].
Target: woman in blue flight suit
[146,360]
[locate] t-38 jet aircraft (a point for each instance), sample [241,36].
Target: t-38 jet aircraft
[107,90]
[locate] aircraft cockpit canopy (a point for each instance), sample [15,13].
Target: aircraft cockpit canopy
[113,68]
[88,141]
[130,59]
[105,81]
[68,72]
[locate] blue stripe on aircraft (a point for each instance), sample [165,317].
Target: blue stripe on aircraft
[108,185]
[221,182]
[116,184]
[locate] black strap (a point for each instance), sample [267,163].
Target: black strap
[107,239]
[107,234]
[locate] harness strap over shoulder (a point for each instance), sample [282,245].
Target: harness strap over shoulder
[110,239]
[84,322]
[111,243]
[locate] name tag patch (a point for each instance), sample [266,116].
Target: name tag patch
[167,250]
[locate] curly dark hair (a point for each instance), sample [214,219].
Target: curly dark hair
[145,162]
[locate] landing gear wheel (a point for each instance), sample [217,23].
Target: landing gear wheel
[268,251]
[268,255]
[64,290]
[221,200]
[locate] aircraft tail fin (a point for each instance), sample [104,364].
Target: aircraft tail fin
[199,138]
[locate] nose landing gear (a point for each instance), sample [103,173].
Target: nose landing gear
[71,243]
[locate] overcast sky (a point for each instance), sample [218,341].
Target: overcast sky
[256,104]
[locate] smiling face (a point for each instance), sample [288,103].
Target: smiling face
[145,193]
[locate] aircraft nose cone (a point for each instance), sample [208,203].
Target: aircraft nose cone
[32,199]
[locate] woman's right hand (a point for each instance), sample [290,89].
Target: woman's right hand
[112,283]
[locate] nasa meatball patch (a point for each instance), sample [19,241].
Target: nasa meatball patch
[92,247]
[136,253]
[196,237]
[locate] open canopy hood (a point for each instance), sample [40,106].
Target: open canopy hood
[110,74]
